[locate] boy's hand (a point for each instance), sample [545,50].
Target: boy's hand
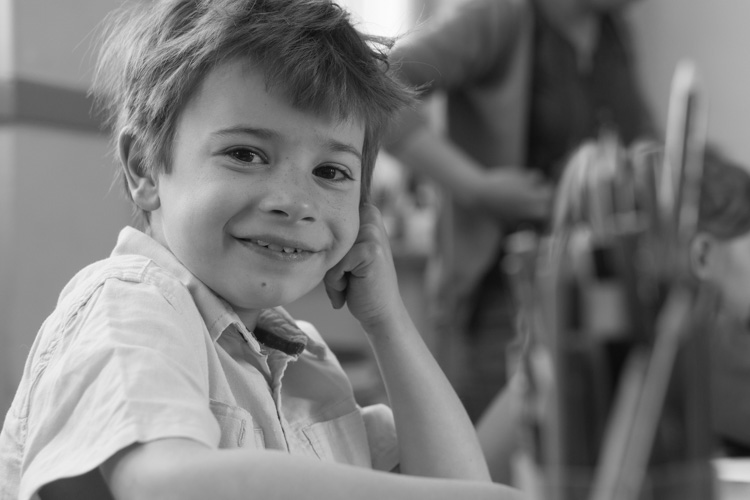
[365,278]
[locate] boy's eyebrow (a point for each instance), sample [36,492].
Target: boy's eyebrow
[263,133]
[266,133]
[343,147]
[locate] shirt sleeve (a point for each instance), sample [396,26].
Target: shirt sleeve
[128,366]
[460,47]
[453,51]
[381,435]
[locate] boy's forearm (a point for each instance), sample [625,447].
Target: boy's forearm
[183,470]
[436,437]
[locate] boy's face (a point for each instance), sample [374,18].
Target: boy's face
[262,198]
[728,268]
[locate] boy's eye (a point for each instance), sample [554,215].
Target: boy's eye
[245,155]
[331,173]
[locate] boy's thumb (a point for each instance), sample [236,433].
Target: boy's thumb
[335,283]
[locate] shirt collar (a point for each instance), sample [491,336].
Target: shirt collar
[275,327]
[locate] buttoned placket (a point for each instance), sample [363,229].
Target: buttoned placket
[278,362]
[275,363]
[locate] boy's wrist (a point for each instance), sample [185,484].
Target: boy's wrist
[395,325]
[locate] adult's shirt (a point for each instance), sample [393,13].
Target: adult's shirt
[573,100]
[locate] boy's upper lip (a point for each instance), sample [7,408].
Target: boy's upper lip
[279,241]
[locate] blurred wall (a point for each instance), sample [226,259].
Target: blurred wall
[715,34]
[57,212]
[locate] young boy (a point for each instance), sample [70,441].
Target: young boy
[247,132]
[720,257]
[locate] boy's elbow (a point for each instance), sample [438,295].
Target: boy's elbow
[155,470]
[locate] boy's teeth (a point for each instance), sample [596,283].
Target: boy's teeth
[276,248]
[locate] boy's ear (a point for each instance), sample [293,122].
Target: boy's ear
[701,247]
[142,183]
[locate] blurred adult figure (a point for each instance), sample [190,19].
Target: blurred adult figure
[526,81]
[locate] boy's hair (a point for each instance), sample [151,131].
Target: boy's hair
[725,197]
[155,54]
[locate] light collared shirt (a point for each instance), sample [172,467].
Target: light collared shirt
[139,349]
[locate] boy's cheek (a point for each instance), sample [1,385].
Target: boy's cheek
[348,249]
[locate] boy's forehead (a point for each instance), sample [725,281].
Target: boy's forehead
[236,97]
[244,72]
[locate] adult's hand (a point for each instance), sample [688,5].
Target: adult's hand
[514,194]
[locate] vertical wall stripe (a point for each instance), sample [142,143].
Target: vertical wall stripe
[33,103]
[8,377]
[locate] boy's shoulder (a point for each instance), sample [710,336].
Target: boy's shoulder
[134,269]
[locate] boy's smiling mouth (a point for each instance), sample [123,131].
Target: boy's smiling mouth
[279,249]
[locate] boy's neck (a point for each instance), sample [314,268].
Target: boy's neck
[249,318]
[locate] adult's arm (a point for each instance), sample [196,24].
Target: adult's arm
[510,192]
[451,52]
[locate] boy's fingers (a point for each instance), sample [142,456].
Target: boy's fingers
[338,299]
[369,214]
[335,284]
[336,280]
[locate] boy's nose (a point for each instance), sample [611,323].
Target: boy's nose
[289,199]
